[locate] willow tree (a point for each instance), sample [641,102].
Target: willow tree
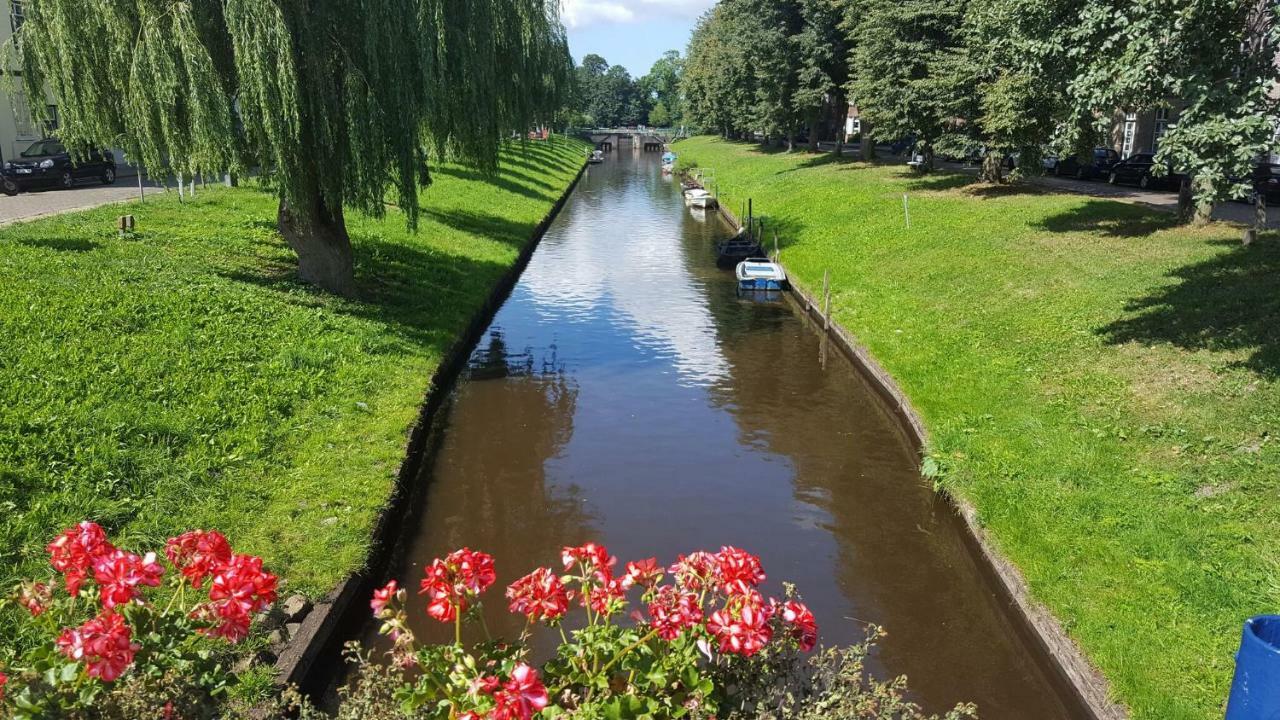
[343,102]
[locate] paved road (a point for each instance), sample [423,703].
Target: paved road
[1165,201]
[32,205]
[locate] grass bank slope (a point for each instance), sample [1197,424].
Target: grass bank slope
[1100,384]
[183,378]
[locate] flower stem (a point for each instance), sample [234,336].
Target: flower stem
[457,627]
[652,634]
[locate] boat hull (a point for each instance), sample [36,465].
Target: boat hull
[763,284]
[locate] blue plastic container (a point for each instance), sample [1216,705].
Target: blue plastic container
[1255,692]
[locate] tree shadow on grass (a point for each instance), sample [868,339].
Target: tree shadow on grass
[422,296]
[76,245]
[1227,303]
[1109,217]
[938,182]
[511,182]
[486,225]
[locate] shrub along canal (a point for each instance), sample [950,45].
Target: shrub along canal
[625,394]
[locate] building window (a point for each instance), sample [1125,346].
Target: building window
[26,126]
[17,14]
[1130,130]
[1162,125]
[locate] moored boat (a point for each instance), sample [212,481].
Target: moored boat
[596,157]
[758,273]
[736,249]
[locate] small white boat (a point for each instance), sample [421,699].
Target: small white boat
[761,274]
[596,157]
[699,198]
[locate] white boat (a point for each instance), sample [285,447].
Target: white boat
[699,198]
[668,169]
[760,274]
[596,157]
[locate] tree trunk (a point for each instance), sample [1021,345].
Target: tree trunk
[992,168]
[791,140]
[1185,209]
[813,135]
[318,235]
[868,145]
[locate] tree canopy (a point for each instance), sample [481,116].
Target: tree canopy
[339,100]
[1000,77]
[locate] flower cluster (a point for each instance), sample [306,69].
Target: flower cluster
[198,554]
[91,566]
[452,584]
[540,596]
[712,599]
[104,644]
[72,553]
[239,589]
[520,698]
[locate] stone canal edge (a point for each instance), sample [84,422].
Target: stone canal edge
[301,660]
[1059,655]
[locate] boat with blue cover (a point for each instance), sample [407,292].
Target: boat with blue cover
[760,273]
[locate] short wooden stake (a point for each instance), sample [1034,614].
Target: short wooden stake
[826,302]
[906,209]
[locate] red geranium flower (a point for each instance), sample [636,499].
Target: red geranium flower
[104,644]
[538,596]
[198,554]
[742,626]
[72,553]
[240,588]
[521,697]
[738,570]
[594,558]
[451,584]
[474,570]
[119,574]
[36,598]
[606,597]
[804,628]
[383,597]
[4,680]
[672,611]
[645,573]
[694,571]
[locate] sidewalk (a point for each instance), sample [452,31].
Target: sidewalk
[42,203]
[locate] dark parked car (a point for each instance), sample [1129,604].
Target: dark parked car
[46,163]
[1103,159]
[1136,170]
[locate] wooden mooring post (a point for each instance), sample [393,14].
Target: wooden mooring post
[826,300]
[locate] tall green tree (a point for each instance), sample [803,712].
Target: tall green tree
[1215,56]
[822,51]
[718,85]
[341,100]
[896,46]
[662,87]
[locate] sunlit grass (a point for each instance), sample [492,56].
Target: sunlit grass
[182,378]
[1101,384]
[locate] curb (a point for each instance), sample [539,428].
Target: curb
[320,636]
[1087,692]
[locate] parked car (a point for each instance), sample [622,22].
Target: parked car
[1137,170]
[1100,167]
[46,163]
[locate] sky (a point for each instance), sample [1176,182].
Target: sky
[630,33]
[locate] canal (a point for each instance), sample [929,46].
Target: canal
[625,394]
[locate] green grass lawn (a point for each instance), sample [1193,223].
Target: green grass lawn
[1100,383]
[183,378]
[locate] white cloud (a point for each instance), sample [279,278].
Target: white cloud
[578,14]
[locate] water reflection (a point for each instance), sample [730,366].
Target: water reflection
[626,394]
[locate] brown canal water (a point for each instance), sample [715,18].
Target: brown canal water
[625,394]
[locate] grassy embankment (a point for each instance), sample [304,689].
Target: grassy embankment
[183,378]
[1101,384]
